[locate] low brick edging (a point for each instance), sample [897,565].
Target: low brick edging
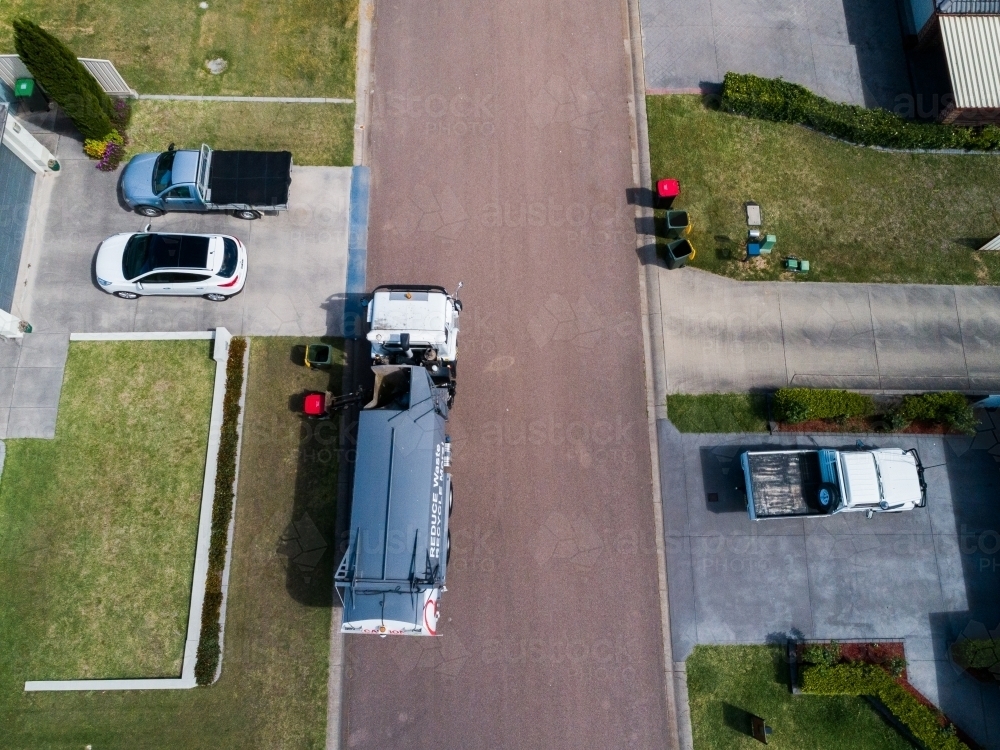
[220,353]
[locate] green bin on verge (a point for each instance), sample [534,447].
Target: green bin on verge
[678,253]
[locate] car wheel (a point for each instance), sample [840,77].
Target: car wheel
[247,214]
[149,211]
[451,499]
[127,295]
[216,297]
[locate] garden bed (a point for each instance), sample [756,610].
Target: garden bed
[869,669]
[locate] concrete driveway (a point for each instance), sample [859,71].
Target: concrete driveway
[723,335]
[296,284]
[927,576]
[850,51]
[297,260]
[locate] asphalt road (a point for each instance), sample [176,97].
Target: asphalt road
[500,157]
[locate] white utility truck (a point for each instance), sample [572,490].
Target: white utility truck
[416,325]
[819,482]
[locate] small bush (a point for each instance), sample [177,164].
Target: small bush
[64,78]
[794,405]
[976,653]
[826,654]
[109,151]
[896,666]
[781,101]
[948,408]
[868,679]
[222,512]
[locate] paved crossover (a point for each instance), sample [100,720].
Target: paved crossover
[722,335]
[850,51]
[500,157]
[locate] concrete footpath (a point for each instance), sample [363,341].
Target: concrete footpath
[721,335]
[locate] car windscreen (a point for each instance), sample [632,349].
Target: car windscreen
[162,171]
[148,252]
[230,257]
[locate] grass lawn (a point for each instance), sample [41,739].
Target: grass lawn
[98,526]
[718,412]
[317,134]
[856,214]
[726,684]
[272,692]
[288,48]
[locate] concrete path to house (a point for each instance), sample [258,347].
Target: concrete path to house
[296,284]
[850,51]
[721,335]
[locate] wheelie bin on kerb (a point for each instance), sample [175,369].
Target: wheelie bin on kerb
[677,253]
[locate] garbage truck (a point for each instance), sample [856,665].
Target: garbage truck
[392,575]
[822,482]
[415,325]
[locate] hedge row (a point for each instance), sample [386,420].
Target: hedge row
[950,408]
[64,78]
[222,511]
[794,405]
[781,101]
[868,679]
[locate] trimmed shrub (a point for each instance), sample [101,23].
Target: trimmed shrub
[868,679]
[826,654]
[64,79]
[209,649]
[794,405]
[780,101]
[949,408]
[977,653]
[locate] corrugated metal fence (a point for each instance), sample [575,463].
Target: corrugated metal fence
[11,68]
[993,244]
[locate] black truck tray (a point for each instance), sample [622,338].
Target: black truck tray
[252,178]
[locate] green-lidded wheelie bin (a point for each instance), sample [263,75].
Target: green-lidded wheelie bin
[678,253]
[29,96]
[319,356]
[678,224]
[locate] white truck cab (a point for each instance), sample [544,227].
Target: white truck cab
[415,325]
[819,482]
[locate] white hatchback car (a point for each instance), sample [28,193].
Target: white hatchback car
[136,264]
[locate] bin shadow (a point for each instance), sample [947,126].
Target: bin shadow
[736,719]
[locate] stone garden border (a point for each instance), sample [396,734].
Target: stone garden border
[220,353]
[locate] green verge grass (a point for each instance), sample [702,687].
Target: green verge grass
[288,48]
[855,213]
[316,134]
[272,692]
[726,684]
[98,526]
[718,412]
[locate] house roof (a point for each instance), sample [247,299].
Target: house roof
[972,49]
[968,6]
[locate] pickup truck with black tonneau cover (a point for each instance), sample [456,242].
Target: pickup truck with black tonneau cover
[245,183]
